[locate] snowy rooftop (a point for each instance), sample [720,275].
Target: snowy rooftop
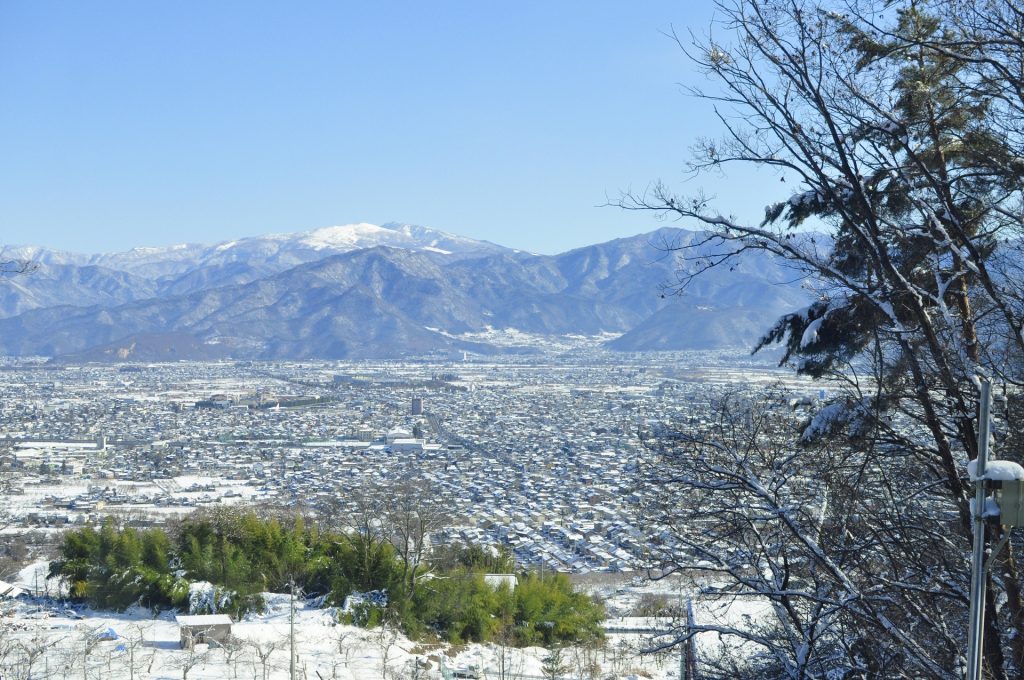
[203,620]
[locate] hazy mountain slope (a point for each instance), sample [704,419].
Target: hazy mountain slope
[57,284]
[360,303]
[683,325]
[169,346]
[386,301]
[144,261]
[213,276]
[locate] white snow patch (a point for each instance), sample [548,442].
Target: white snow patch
[206,598]
[810,335]
[997,470]
[890,126]
[806,198]
[991,507]
[826,420]
[347,236]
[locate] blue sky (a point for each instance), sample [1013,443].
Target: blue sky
[150,123]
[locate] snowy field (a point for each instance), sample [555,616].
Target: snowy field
[50,642]
[44,638]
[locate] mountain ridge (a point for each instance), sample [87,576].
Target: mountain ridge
[259,300]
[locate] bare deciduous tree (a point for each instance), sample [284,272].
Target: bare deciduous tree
[134,642]
[803,531]
[26,652]
[347,643]
[412,512]
[191,657]
[234,651]
[386,639]
[585,661]
[264,652]
[507,660]
[898,125]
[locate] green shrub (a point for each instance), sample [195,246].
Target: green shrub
[243,555]
[549,611]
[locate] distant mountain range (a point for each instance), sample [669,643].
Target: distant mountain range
[366,291]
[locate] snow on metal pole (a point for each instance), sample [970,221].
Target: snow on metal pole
[682,661]
[691,644]
[683,647]
[976,630]
[291,632]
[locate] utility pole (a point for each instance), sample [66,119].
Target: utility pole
[683,653]
[291,632]
[691,644]
[682,647]
[976,629]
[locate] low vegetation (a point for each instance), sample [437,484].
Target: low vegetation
[234,557]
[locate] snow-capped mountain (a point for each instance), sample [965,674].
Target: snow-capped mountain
[287,248]
[190,267]
[432,292]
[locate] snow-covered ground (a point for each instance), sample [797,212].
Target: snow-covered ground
[512,337]
[44,638]
[134,644]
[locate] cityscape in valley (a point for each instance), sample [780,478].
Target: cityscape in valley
[531,454]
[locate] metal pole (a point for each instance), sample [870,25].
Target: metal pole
[976,630]
[691,644]
[291,632]
[682,653]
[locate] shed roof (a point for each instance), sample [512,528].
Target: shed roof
[203,620]
[9,590]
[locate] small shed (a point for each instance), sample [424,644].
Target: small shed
[204,628]
[9,591]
